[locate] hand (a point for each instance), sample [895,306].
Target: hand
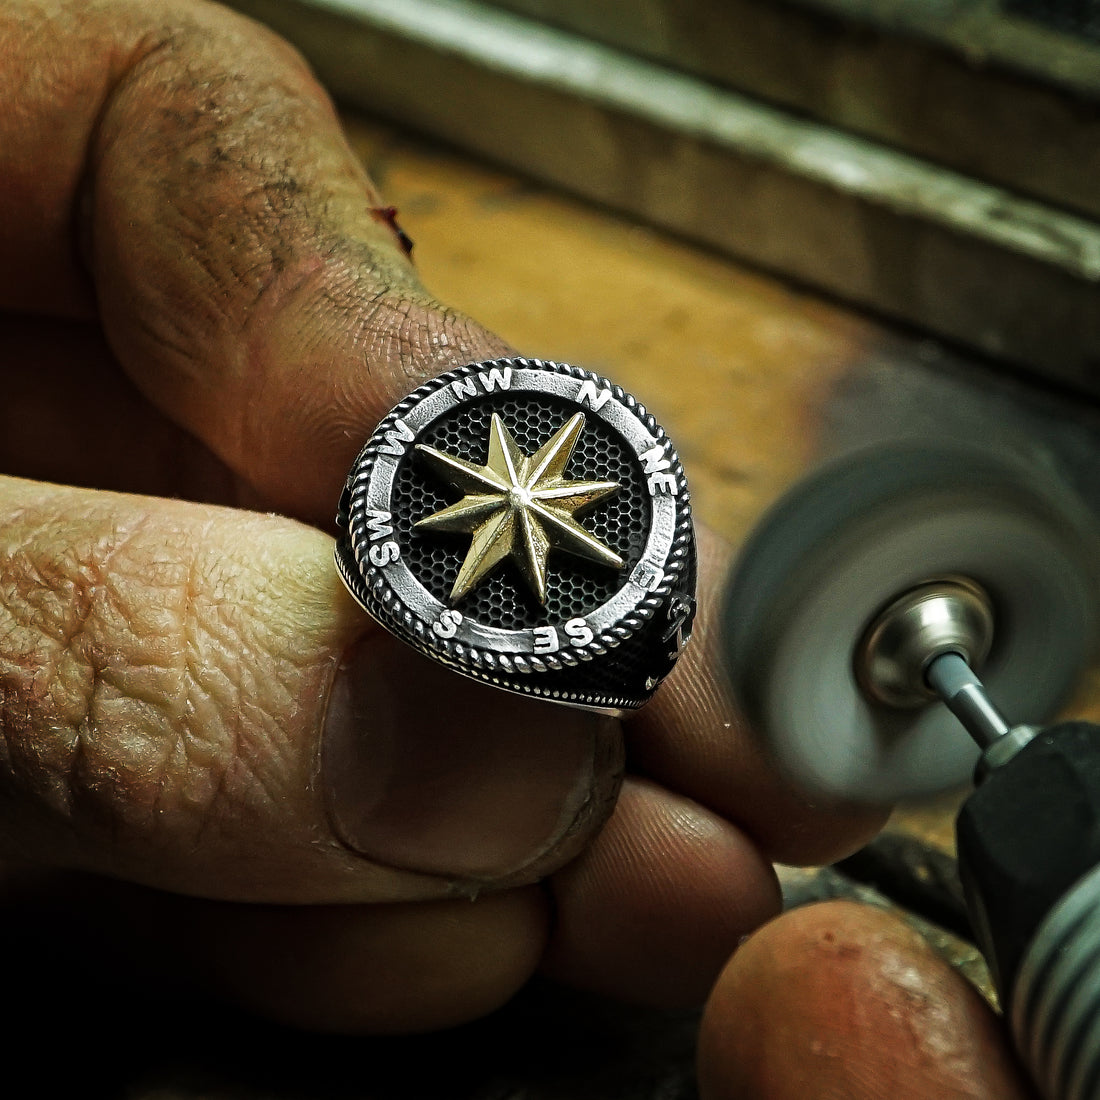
[207,306]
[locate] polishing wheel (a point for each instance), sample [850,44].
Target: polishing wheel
[868,570]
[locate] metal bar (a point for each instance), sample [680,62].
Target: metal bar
[916,242]
[960,82]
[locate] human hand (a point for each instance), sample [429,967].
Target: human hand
[207,306]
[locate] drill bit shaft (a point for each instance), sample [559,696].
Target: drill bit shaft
[954,681]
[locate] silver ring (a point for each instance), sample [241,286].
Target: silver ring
[528,524]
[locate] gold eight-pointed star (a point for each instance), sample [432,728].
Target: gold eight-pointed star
[518,506]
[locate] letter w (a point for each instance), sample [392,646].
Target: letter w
[397,439]
[378,523]
[496,377]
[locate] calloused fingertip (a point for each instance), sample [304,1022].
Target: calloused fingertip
[839,999]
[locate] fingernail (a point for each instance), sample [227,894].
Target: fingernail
[429,771]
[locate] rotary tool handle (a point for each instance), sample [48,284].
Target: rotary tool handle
[1029,858]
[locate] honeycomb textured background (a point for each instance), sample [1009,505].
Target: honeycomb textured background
[574,586]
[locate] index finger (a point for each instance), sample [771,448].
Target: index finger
[197,188]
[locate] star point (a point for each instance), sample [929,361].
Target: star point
[518,507]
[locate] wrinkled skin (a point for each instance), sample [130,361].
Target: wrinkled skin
[206,308]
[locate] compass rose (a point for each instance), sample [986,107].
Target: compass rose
[518,507]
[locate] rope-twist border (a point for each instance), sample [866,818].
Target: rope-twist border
[379,598]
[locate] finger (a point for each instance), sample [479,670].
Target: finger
[187,699]
[239,263]
[691,738]
[71,415]
[380,969]
[652,910]
[842,1000]
[387,969]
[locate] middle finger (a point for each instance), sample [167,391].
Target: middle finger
[71,415]
[693,739]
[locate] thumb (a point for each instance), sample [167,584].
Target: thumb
[188,699]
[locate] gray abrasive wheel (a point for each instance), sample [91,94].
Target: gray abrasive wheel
[844,544]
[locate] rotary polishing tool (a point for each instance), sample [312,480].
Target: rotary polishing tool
[908,577]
